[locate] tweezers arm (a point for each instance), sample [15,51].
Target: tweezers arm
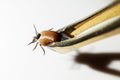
[107,13]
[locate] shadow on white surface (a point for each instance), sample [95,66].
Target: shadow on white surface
[99,61]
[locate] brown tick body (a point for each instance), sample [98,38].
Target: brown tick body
[44,38]
[47,37]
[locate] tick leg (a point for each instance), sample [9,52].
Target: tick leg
[50,29]
[35,46]
[42,49]
[36,32]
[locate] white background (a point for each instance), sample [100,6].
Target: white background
[19,62]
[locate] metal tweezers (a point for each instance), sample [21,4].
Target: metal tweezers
[101,24]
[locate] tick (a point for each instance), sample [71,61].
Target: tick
[44,38]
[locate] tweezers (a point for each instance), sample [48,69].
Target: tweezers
[101,24]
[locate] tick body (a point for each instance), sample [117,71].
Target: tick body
[47,37]
[44,38]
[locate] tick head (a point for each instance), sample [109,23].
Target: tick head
[35,38]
